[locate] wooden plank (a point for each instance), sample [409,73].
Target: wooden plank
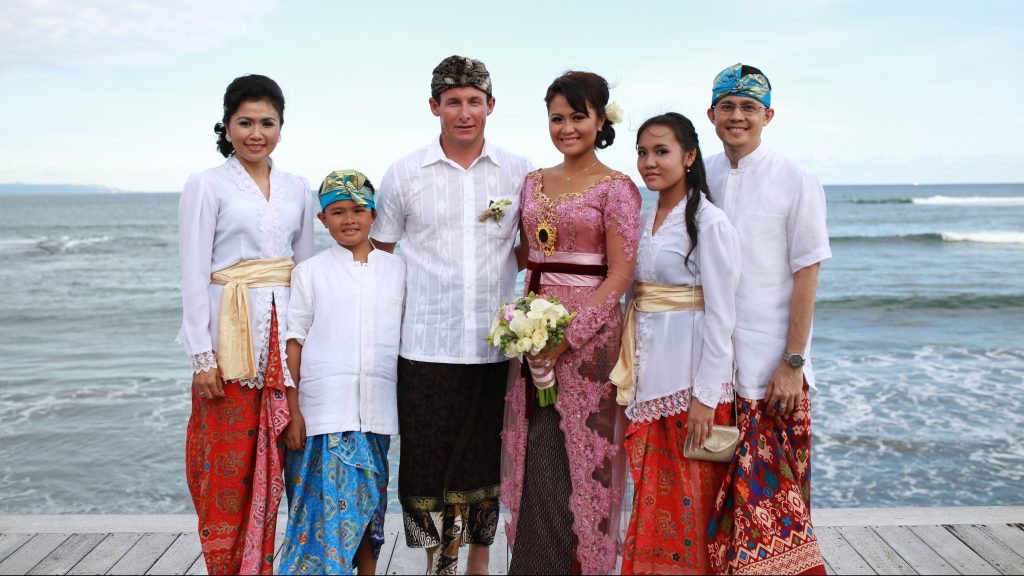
[952,550]
[407,560]
[115,523]
[68,554]
[144,554]
[106,554]
[278,545]
[917,516]
[386,550]
[198,567]
[874,550]
[999,555]
[32,553]
[840,555]
[913,550]
[1010,534]
[9,543]
[180,556]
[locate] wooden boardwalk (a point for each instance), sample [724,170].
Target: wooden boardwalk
[983,540]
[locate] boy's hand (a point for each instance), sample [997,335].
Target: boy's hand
[295,433]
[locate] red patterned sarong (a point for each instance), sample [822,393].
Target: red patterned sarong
[762,520]
[233,464]
[673,498]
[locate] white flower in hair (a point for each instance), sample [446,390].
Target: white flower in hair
[613,112]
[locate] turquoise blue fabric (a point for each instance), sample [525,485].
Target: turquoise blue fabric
[337,490]
[731,82]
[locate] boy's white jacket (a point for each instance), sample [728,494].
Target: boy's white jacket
[348,316]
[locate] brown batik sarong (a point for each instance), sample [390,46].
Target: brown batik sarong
[449,474]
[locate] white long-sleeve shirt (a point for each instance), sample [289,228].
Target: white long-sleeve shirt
[460,268]
[348,316]
[682,350]
[778,210]
[223,218]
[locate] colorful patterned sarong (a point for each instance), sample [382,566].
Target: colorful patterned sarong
[762,520]
[673,498]
[233,467]
[337,491]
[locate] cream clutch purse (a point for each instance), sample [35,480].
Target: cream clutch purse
[719,447]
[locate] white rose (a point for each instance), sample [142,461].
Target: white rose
[613,112]
[523,345]
[540,305]
[520,324]
[540,339]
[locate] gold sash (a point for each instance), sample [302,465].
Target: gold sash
[648,297]
[234,336]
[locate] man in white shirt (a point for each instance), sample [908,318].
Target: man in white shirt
[461,265]
[778,210]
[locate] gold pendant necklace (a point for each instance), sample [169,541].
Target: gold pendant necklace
[547,214]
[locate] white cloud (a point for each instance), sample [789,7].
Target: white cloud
[98,34]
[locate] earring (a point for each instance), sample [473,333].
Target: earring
[227,137]
[688,169]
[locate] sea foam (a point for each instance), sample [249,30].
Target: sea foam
[970,200]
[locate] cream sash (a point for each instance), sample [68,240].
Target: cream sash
[648,297]
[234,335]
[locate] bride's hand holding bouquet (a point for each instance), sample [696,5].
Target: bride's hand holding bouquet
[533,326]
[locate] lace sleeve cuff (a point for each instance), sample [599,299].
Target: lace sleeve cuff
[203,361]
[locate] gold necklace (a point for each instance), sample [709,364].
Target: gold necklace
[581,171]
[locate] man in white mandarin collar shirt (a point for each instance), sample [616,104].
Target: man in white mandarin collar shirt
[778,210]
[461,266]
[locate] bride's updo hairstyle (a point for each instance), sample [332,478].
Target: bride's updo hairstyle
[580,89]
[252,87]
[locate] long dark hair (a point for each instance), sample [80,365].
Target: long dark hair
[580,88]
[241,89]
[696,177]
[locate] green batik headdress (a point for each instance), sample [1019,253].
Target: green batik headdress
[346,185]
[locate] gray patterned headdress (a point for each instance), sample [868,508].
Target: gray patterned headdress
[458,72]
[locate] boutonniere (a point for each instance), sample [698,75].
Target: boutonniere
[496,210]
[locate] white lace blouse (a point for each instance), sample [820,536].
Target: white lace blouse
[223,218]
[680,350]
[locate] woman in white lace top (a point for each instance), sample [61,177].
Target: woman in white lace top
[242,226]
[677,382]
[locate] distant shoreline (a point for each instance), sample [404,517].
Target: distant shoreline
[19,189]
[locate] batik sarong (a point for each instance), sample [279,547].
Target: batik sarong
[673,498]
[449,476]
[337,492]
[233,465]
[762,519]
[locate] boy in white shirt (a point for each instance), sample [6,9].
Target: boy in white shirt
[343,334]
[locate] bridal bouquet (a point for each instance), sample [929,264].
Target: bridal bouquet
[525,326]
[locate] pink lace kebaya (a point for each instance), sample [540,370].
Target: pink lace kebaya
[601,222]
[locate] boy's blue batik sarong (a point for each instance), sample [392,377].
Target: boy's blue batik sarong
[337,491]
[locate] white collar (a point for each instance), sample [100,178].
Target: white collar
[436,154]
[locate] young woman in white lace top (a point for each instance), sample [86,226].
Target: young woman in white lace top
[242,226]
[676,381]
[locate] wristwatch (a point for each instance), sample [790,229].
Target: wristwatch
[794,360]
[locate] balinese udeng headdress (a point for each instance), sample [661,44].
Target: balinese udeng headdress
[742,80]
[346,185]
[458,72]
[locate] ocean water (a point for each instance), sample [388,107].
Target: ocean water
[919,351]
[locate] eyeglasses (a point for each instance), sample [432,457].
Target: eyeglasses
[747,109]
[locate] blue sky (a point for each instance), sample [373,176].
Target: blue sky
[125,93]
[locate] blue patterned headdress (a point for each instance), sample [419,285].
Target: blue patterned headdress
[346,185]
[741,80]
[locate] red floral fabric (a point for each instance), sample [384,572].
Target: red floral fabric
[673,498]
[233,464]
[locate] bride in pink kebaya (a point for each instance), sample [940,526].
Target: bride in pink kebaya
[563,470]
